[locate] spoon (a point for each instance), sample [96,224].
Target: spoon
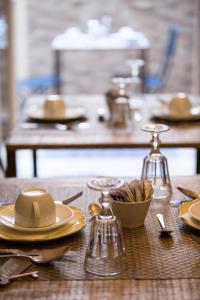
[94,210]
[164,229]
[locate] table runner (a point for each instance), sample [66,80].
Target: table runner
[149,256]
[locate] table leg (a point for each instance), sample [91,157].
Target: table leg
[57,71]
[34,163]
[198,162]
[11,163]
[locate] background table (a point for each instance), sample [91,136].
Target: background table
[98,134]
[173,289]
[111,42]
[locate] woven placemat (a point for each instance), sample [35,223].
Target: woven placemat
[149,256]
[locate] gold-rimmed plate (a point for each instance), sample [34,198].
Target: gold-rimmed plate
[185,215]
[7,217]
[165,114]
[70,114]
[194,211]
[76,224]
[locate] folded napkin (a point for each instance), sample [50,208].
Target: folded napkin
[135,191]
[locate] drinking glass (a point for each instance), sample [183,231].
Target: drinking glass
[106,254]
[155,166]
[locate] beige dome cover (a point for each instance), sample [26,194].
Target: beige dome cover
[180,105]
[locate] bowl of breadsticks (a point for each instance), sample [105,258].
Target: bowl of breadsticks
[130,203]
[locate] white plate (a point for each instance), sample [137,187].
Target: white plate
[7,218]
[77,223]
[185,215]
[164,114]
[194,211]
[71,113]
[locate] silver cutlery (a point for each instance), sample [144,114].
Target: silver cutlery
[65,202]
[188,192]
[164,229]
[6,279]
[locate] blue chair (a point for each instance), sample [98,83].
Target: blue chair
[37,84]
[157,82]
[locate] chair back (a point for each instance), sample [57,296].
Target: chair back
[169,52]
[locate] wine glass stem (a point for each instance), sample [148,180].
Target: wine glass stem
[106,207]
[155,142]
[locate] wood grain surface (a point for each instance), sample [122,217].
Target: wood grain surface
[92,133]
[182,288]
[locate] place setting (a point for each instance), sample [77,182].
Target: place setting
[35,216]
[28,228]
[177,108]
[185,203]
[189,208]
[55,109]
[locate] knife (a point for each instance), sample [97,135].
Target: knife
[72,198]
[14,266]
[188,192]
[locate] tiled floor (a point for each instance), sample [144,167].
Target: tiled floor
[116,162]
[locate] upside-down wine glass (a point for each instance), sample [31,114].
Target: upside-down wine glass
[105,253]
[155,166]
[136,82]
[135,87]
[120,110]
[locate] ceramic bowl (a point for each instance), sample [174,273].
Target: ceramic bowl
[131,214]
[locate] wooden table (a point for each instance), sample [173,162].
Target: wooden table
[109,43]
[95,134]
[109,289]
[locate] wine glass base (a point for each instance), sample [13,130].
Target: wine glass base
[105,267]
[104,182]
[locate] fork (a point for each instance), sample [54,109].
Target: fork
[189,193]
[5,280]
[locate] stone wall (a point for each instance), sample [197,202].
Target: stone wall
[90,72]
